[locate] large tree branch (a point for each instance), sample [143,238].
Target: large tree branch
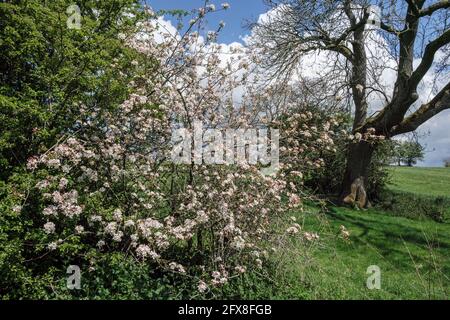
[359,62]
[348,11]
[389,28]
[354,26]
[444,4]
[404,94]
[428,110]
[407,39]
[428,57]
[414,6]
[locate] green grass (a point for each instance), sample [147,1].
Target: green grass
[413,255]
[424,181]
[414,258]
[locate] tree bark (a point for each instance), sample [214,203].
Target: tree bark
[355,179]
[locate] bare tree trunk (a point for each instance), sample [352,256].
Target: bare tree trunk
[356,174]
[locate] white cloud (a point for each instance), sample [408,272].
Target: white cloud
[438,141]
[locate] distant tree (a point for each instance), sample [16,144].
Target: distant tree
[408,152]
[447,162]
[395,155]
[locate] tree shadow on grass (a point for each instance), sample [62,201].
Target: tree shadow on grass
[398,243]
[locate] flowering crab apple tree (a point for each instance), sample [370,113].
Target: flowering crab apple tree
[110,183]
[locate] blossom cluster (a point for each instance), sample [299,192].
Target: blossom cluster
[369,136]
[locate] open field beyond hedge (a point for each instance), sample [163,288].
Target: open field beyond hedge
[426,181]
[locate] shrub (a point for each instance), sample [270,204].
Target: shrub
[107,192]
[47,69]
[415,206]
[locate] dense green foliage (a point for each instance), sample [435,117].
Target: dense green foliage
[48,70]
[415,206]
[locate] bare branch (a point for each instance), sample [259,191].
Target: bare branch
[444,4]
[389,28]
[428,57]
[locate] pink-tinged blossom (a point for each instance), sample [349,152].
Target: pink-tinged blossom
[117,215]
[144,251]
[238,242]
[259,263]
[240,269]
[233,207]
[129,223]
[311,236]
[49,227]
[101,244]
[111,228]
[50,211]
[177,267]
[202,217]
[57,197]
[41,185]
[292,230]
[96,218]
[202,286]
[79,229]
[294,200]
[32,163]
[117,237]
[54,163]
[63,183]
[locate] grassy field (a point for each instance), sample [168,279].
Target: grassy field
[413,255]
[426,181]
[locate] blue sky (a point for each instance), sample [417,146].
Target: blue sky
[235,17]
